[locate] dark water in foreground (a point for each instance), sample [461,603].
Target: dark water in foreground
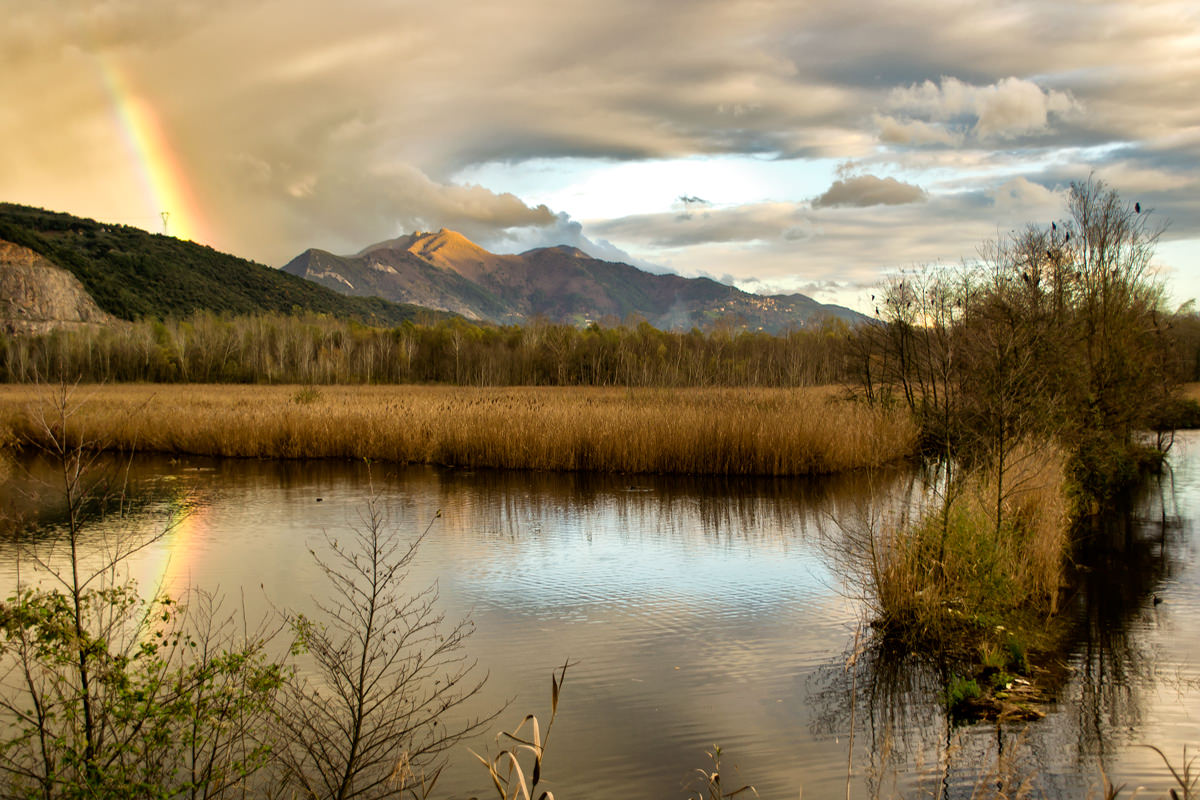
[703,612]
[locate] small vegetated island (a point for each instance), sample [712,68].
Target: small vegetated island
[1034,385]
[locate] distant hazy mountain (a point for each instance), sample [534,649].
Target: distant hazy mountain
[132,274]
[447,271]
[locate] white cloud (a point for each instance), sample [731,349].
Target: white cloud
[1007,108]
[564,231]
[1021,193]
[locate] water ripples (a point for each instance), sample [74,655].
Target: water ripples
[696,613]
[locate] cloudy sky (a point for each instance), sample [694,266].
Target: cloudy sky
[804,145]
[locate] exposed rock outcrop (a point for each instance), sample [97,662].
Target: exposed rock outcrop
[36,295]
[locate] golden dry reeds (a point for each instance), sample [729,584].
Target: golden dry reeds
[958,561]
[685,431]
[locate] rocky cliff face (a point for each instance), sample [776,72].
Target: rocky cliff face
[36,296]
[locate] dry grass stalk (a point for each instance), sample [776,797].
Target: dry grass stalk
[508,776]
[691,431]
[711,781]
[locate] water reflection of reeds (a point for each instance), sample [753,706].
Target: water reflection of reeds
[125,505]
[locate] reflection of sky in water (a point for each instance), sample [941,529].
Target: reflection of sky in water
[698,612]
[593,562]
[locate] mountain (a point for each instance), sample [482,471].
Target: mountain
[447,271]
[130,273]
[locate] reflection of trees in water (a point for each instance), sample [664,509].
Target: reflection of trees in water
[898,718]
[905,743]
[1123,562]
[514,504]
[121,491]
[905,740]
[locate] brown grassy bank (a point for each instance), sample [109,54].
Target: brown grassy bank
[695,431]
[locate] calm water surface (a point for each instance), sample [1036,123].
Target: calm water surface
[701,612]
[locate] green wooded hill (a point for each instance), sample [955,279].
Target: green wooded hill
[133,274]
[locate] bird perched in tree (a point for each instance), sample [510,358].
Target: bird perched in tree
[1137,208]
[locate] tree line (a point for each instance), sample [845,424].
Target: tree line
[1045,380]
[311,349]
[1057,333]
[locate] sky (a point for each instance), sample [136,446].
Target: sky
[780,146]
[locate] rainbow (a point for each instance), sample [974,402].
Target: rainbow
[163,175]
[166,566]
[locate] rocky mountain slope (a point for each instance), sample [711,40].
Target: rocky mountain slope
[36,296]
[447,271]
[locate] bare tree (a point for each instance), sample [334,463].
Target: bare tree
[373,716]
[1055,333]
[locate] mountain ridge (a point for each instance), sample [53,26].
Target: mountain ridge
[447,271]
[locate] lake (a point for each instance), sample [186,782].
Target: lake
[697,612]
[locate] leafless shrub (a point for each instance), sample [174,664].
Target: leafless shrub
[373,715]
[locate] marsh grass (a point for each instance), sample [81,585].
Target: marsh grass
[960,564]
[689,431]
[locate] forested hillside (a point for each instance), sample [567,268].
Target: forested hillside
[133,274]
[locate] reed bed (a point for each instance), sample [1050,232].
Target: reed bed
[689,431]
[958,563]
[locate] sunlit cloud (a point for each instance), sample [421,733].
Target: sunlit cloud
[867,190]
[296,125]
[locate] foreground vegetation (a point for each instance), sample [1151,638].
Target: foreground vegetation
[695,431]
[108,693]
